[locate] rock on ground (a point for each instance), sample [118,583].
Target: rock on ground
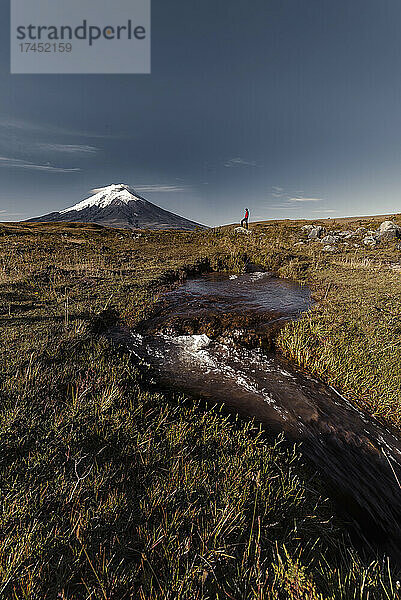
[307,228]
[370,240]
[316,232]
[242,230]
[330,239]
[388,230]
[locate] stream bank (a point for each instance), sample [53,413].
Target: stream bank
[213,338]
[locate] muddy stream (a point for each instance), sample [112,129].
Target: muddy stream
[212,337]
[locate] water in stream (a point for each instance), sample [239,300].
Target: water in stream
[212,337]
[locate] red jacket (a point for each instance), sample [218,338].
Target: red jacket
[246,214]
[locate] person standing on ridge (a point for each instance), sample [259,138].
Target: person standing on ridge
[245,219]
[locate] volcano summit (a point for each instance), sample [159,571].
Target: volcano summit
[118,205]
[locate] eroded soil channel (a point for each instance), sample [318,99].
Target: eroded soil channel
[212,338]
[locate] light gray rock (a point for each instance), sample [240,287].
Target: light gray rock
[242,230]
[330,239]
[299,244]
[370,241]
[329,248]
[360,230]
[316,232]
[388,230]
[307,228]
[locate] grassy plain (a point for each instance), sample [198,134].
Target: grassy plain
[113,490]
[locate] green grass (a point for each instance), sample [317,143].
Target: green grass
[351,338]
[113,490]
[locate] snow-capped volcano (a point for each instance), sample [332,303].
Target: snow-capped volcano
[102,197]
[118,205]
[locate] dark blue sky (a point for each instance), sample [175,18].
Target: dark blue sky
[289,107]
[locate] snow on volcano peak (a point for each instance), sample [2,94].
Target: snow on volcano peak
[119,206]
[116,193]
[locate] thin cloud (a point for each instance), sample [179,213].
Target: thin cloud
[21,125]
[10,214]
[16,163]
[280,207]
[277,191]
[66,148]
[9,123]
[302,199]
[162,189]
[292,196]
[239,162]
